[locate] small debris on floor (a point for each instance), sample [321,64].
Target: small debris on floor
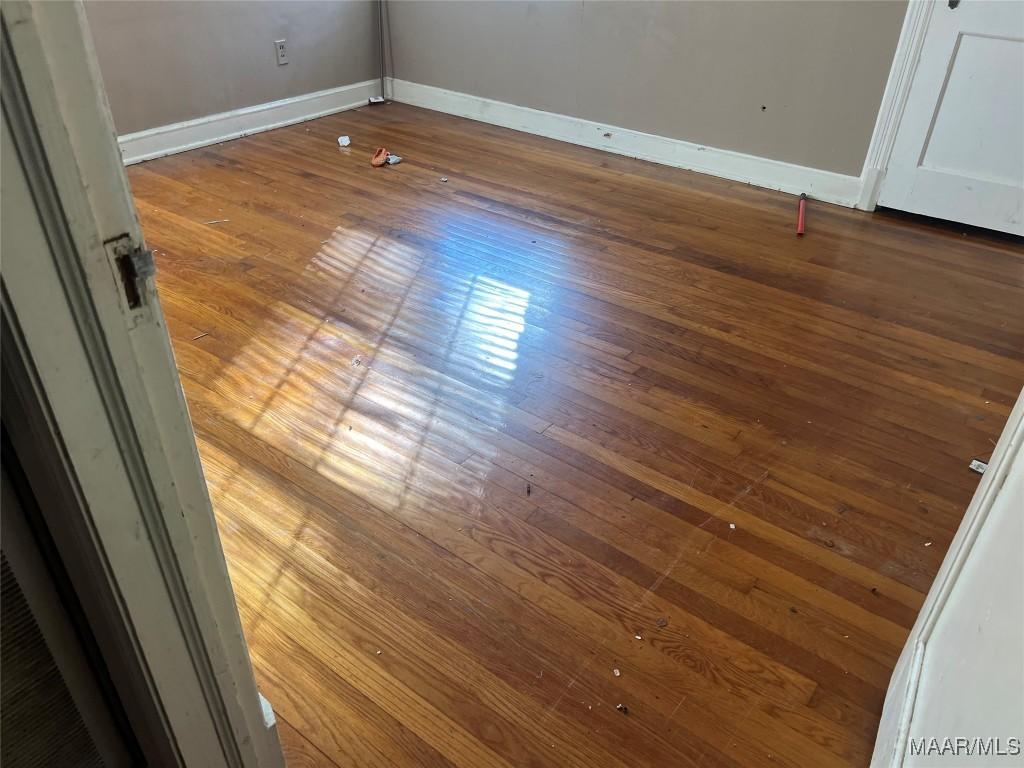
[732,526]
[217,221]
[444,179]
[874,590]
[979,466]
[792,609]
[393,159]
[639,637]
[529,489]
[927,543]
[379,653]
[344,141]
[662,622]
[829,543]
[201,335]
[617,672]
[622,708]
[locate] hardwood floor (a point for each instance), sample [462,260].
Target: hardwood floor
[494,456]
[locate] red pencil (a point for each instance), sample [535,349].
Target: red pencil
[801,214]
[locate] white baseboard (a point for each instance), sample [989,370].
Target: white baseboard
[203,131]
[759,171]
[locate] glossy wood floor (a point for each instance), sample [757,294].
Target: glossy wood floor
[493,456]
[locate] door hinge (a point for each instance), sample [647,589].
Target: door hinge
[135,265]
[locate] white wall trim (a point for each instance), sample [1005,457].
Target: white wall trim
[894,100]
[203,131]
[759,171]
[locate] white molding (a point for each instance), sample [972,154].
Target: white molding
[894,99]
[1004,460]
[212,129]
[759,171]
[901,698]
[269,718]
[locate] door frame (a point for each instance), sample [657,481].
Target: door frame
[92,392]
[901,697]
[894,99]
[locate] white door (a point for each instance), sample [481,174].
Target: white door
[956,697]
[959,148]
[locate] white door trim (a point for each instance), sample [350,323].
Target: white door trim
[104,376]
[894,99]
[901,698]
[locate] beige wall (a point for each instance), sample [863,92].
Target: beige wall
[164,62]
[698,71]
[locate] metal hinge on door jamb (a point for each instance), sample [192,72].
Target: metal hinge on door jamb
[133,265]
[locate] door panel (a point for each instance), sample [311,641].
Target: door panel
[976,646]
[959,149]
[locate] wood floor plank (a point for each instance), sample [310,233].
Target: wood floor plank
[493,456]
[299,751]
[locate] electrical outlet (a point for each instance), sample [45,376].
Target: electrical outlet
[282,52]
